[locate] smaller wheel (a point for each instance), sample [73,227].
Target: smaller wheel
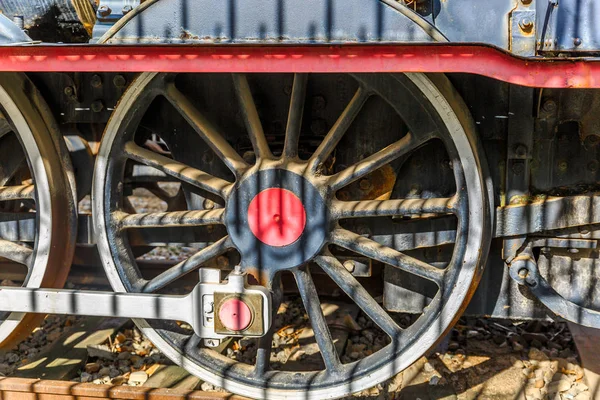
[37,206]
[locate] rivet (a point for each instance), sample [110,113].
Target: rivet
[97,106]
[549,106]
[577,41]
[96,81]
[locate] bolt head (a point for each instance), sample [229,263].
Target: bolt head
[97,106]
[69,91]
[126,9]
[104,11]
[119,81]
[520,150]
[549,106]
[96,81]
[577,41]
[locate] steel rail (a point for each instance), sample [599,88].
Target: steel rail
[352,58]
[35,389]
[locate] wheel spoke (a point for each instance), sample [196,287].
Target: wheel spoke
[294,122]
[206,130]
[373,250]
[178,170]
[251,118]
[191,264]
[375,161]
[339,128]
[381,208]
[358,294]
[310,298]
[15,252]
[23,192]
[170,219]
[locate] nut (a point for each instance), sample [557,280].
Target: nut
[526,24]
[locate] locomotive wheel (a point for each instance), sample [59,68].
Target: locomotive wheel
[34,184]
[313,237]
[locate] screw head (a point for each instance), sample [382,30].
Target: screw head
[104,11]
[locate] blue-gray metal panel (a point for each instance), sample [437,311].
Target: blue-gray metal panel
[481,21]
[569,26]
[272,20]
[11,33]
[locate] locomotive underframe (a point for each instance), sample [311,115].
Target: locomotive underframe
[545,177]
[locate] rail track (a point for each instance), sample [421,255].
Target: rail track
[35,389]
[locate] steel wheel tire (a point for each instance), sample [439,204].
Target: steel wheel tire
[51,172]
[448,107]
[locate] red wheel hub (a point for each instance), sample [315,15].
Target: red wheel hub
[276,217]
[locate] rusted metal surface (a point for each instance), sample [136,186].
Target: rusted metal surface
[472,59]
[35,389]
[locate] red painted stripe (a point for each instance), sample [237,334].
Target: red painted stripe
[480,60]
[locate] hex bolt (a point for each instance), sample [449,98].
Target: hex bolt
[526,24]
[104,11]
[19,21]
[97,106]
[249,157]
[119,81]
[562,166]
[349,265]
[96,81]
[577,42]
[520,150]
[126,9]
[549,106]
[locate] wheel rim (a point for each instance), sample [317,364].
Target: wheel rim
[46,253]
[317,193]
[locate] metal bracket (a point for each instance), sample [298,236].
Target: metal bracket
[525,272]
[192,308]
[522,29]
